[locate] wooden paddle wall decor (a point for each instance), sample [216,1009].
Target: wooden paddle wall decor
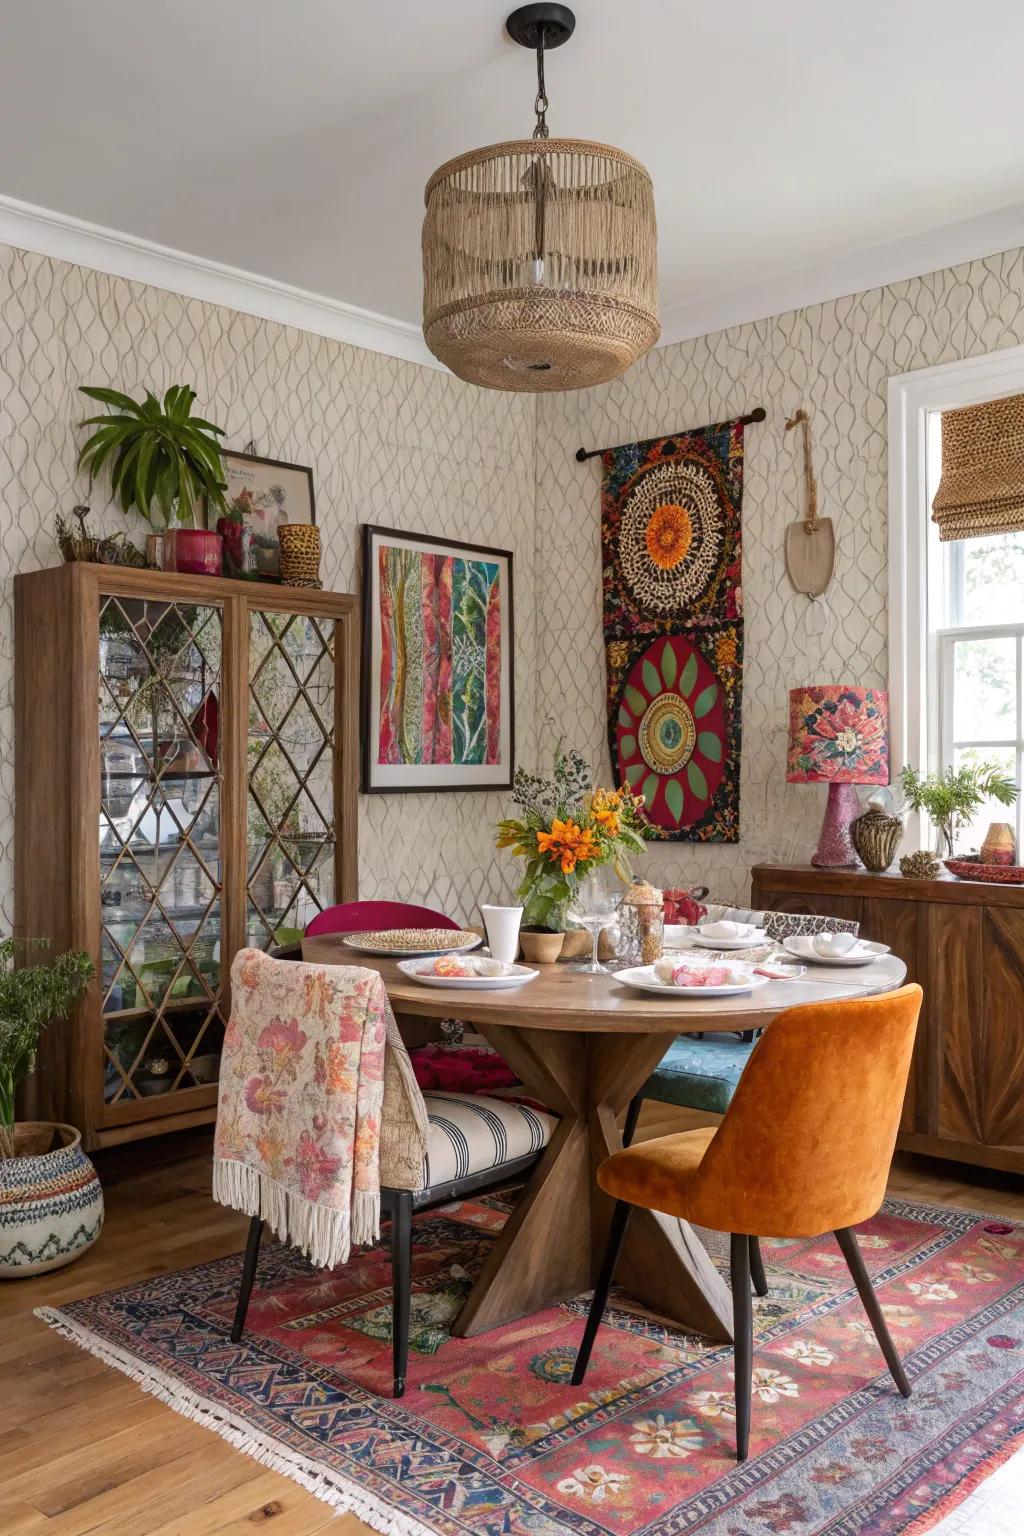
[810,544]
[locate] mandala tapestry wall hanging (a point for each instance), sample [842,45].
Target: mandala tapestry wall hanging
[437,695]
[673,627]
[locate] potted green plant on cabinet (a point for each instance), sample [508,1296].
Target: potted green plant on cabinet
[51,1203]
[166,463]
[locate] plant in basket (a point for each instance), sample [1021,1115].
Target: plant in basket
[565,829]
[51,1203]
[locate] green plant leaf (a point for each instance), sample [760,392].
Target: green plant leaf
[110,397]
[689,675]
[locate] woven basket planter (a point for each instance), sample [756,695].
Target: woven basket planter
[51,1207]
[540,265]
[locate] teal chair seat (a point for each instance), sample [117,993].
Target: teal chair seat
[699,1074]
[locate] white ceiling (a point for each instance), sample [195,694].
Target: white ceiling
[798,150]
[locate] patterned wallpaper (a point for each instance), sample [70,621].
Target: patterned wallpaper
[834,359]
[390,442]
[394,443]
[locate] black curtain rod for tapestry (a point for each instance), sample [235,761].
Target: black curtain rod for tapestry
[757,414]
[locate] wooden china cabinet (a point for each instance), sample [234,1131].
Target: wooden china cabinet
[963,940]
[185,785]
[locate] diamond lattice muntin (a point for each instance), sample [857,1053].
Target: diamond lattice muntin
[290,800]
[160,871]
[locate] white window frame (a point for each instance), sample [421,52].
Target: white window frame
[916,716]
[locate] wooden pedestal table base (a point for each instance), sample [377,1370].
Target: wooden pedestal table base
[552,1243]
[583,1044]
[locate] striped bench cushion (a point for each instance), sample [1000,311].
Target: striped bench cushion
[470,1133]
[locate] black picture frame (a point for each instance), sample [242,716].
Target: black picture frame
[372,534]
[268,567]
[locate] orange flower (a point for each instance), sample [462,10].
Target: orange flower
[608,821]
[568,862]
[669,535]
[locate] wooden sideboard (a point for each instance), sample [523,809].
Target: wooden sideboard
[964,942]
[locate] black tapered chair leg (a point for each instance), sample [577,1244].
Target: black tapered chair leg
[855,1263]
[252,1253]
[401,1287]
[612,1248]
[743,1337]
[636,1104]
[757,1274]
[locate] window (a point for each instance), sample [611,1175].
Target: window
[978,623]
[956,608]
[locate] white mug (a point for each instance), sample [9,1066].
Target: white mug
[502,925]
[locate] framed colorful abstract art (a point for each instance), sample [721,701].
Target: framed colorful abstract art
[437,690]
[673,627]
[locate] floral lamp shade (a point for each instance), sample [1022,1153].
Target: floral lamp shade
[838,735]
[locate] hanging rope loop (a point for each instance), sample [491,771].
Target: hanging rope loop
[540,105]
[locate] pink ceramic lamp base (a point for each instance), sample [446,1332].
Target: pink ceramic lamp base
[835,850]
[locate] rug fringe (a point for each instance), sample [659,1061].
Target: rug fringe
[330,1487]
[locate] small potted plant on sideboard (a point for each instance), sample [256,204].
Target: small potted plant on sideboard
[51,1203]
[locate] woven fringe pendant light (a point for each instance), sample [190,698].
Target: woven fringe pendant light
[540,255]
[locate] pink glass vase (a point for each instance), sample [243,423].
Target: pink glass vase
[196,551]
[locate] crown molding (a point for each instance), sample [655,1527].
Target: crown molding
[142,261]
[875,266]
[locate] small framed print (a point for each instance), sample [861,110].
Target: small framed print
[437,696]
[267,493]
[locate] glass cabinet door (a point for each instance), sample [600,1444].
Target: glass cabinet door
[160,845]
[290,798]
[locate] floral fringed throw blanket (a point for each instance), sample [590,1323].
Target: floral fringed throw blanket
[302,1090]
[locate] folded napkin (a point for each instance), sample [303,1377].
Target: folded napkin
[302,1082]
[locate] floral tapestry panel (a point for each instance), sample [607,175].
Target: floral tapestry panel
[673,627]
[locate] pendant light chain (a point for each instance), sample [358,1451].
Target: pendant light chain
[540,105]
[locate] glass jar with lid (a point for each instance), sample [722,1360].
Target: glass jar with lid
[641,924]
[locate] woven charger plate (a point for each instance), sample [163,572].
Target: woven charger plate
[412,941]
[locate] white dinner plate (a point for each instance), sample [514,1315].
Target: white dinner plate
[644,977]
[682,933]
[863,952]
[395,943]
[491,975]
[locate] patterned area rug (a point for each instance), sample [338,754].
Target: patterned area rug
[491,1439]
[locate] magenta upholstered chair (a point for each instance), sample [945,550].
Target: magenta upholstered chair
[364,916]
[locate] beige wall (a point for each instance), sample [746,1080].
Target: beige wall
[834,359]
[389,442]
[395,443]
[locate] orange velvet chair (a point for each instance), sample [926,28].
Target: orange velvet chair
[804,1148]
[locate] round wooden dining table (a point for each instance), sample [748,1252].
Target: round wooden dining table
[583,1045]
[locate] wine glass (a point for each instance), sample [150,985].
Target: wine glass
[593,908]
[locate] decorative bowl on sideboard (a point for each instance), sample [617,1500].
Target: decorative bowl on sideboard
[970,867]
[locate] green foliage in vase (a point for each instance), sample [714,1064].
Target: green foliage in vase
[161,459]
[951,797]
[30,998]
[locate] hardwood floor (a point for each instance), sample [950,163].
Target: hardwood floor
[84,1450]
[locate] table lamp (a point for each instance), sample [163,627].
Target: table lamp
[838,736]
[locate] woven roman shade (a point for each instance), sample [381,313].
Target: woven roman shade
[982,486]
[540,264]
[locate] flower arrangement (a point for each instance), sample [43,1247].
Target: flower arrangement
[564,830]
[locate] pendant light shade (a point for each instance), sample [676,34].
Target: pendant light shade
[540,257]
